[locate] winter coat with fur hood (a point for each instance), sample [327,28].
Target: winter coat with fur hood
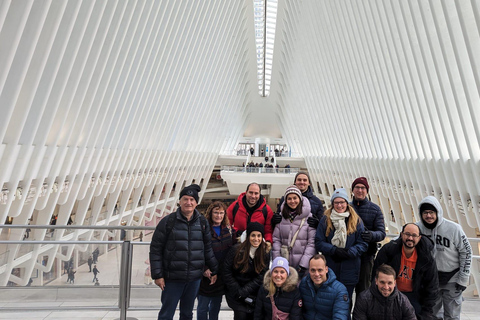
[452,251]
[287,298]
[304,247]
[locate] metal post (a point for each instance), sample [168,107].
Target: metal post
[125,279]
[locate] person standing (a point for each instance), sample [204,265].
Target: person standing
[374,224]
[210,295]
[339,239]
[245,266]
[383,300]
[251,206]
[302,182]
[323,296]
[181,247]
[95,272]
[453,256]
[293,235]
[417,277]
[90,263]
[279,295]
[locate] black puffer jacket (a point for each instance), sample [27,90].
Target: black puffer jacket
[372,305]
[287,298]
[425,275]
[373,221]
[183,255]
[239,285]
[315,203]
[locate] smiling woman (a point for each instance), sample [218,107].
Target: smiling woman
[279,297]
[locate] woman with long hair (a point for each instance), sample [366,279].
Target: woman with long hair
[339,239]
[244,268]
[279,297]
[210,295]
[292,237]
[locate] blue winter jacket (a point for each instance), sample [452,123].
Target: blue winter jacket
[329,301]
[373,221]
[347,271]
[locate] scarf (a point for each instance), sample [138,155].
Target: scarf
[252,251]
[338,219]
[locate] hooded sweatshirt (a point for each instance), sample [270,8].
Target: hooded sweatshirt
[452,251]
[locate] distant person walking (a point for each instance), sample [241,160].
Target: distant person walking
[95,272]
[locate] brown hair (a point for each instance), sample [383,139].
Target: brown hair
[243,254]
[286,208]
[318,256]
[386,269]
[353,220]
[219,205]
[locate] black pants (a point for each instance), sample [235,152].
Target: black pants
[239,315]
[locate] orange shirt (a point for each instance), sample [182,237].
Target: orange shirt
[405,274]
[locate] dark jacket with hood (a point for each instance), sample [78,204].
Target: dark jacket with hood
[315,203]
[373,221]
[424,277]
[372,305]
[287,298]
[255,213]
[182,254]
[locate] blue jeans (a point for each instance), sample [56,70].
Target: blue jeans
[178,291]
[208,307]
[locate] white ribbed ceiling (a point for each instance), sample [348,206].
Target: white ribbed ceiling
[111,99]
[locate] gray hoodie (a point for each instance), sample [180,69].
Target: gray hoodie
[452,249]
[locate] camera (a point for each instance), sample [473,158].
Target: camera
[250,301]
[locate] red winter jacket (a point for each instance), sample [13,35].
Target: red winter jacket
[240,223]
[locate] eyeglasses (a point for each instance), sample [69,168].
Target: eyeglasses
[360,188]
[413,235]
[218,212]
[336,203]
[428,212]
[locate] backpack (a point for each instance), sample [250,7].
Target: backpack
[235,209]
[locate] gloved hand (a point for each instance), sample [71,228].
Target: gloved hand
[342,254]
[367,236]
[459,287]
[313,222]
[276,219]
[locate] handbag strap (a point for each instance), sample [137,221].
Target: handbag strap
[296,233]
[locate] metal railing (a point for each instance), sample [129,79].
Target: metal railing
[237,169]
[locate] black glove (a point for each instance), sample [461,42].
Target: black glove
[459,287]
[276,219]
[367,236]
[342,254]
[301,271]
[313,222]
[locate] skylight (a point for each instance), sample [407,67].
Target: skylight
[265,21]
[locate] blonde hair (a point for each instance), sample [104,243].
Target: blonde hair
[353,220]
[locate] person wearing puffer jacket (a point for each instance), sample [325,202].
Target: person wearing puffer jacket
[323,296]
[339,239]
[279,287]
[295,212]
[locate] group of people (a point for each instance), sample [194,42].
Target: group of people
[304,263]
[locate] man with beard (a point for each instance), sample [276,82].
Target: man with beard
[453,255]
[383,300]
[411,257]
[251,206]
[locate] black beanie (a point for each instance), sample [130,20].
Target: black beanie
[255,226]
[192,191]
[427,206]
